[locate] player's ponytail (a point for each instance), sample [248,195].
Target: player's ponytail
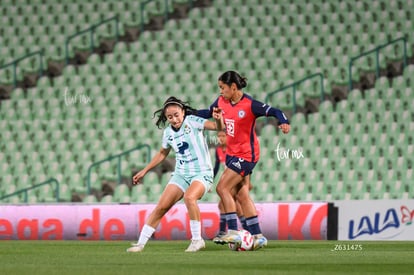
[231,77]
[188,110]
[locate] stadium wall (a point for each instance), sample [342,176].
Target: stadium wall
[279,221]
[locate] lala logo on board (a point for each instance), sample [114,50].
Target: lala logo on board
[387,224]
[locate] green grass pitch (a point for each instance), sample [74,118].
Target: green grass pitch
[168,257]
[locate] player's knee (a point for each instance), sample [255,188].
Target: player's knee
[189,199]
[221,190]
[243,196]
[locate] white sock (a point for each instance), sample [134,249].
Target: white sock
[195,227]
[146,234]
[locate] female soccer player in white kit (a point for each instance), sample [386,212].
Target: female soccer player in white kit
[193,174]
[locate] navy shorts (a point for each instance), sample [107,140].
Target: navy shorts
[239,165]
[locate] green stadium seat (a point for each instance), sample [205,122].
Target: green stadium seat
[76,182]
[337,190]
[121,192]
[136,192]
[90,199]
[319,191]
[107,199]
[65,194]
[299,191]
[396,189]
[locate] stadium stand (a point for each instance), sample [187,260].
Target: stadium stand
[356,144]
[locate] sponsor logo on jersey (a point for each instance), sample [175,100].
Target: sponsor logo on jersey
[229,127]
[182,147]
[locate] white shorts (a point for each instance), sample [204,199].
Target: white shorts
[183,182]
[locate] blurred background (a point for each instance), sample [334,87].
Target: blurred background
[80,80]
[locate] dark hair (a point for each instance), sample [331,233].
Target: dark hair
[231,77]
[188,110]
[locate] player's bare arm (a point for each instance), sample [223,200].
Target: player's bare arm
[157,159]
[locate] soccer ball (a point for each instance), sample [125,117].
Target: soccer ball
[246,242]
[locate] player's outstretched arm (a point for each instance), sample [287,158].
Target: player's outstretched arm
[262,109]
[204,113]
[285,128]
[157,159]
[218,123]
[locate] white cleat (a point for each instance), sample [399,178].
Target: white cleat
[196,245]
[232,236]
[259,242]
[136,248]
[218,239]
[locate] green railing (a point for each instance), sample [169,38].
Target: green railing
[26,190]
[118,158]
[15,63]
[91,30]
[376,51]
[294,85]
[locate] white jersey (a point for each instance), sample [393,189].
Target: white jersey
[191,151]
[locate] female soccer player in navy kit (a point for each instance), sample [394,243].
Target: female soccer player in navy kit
[240,111]
[220,157]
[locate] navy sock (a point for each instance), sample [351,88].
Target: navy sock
[242,220]
[231,219]
[253,225]
[222,222]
